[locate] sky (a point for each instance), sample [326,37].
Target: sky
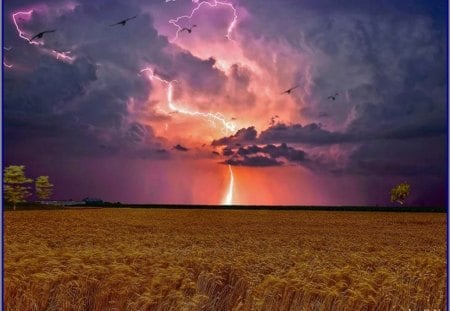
[186,102]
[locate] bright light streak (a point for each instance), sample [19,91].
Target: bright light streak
[231,26]
[228,126]
[4,60]
[20,32]
[63,56]
[228,199]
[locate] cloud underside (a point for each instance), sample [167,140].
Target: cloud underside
[389,152]
[268,155]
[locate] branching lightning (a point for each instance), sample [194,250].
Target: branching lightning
[228,127]
[19,31]
[63,56]
[231,26]
[228,199]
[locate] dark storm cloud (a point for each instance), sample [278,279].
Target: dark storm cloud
[410,150]
[268,155]
[399,158]
[200,75]
[85,105]
[260,161]
[227,152]
[308,134]
[386,59]
[242,135]
[313,134]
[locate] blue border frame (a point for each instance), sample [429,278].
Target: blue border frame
[2,159]
[2,155]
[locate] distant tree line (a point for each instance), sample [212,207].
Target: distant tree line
[16,187]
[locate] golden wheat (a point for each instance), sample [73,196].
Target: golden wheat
[159,259]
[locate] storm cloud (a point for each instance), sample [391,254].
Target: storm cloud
[386,59]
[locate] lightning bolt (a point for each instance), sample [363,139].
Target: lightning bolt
[63,56]
[4,60]
[228,199]
[228,126]
[19,31]
[216,3]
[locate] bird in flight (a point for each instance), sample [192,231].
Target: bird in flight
[333,97]
[272,120]
[180,148]
[41,34]
[123,22]
[189,30]
[290,90]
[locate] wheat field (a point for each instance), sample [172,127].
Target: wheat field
[160,259]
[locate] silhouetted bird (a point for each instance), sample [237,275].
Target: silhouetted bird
[180,148]
[290,90]
[272,120]
[41,34]
[189,30]
[333,97]
[123,22]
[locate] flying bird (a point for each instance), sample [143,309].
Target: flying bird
[272,120]
[333,97]
[123,22]
[180,148]
[189,30]
[290,90]
[41,34]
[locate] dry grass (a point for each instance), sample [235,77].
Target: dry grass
[223,260]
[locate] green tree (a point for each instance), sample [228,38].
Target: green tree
[400,192]
[14,181]
[44,188]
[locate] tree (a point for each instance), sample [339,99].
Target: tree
[400,192]
[43,187]
[14,180]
